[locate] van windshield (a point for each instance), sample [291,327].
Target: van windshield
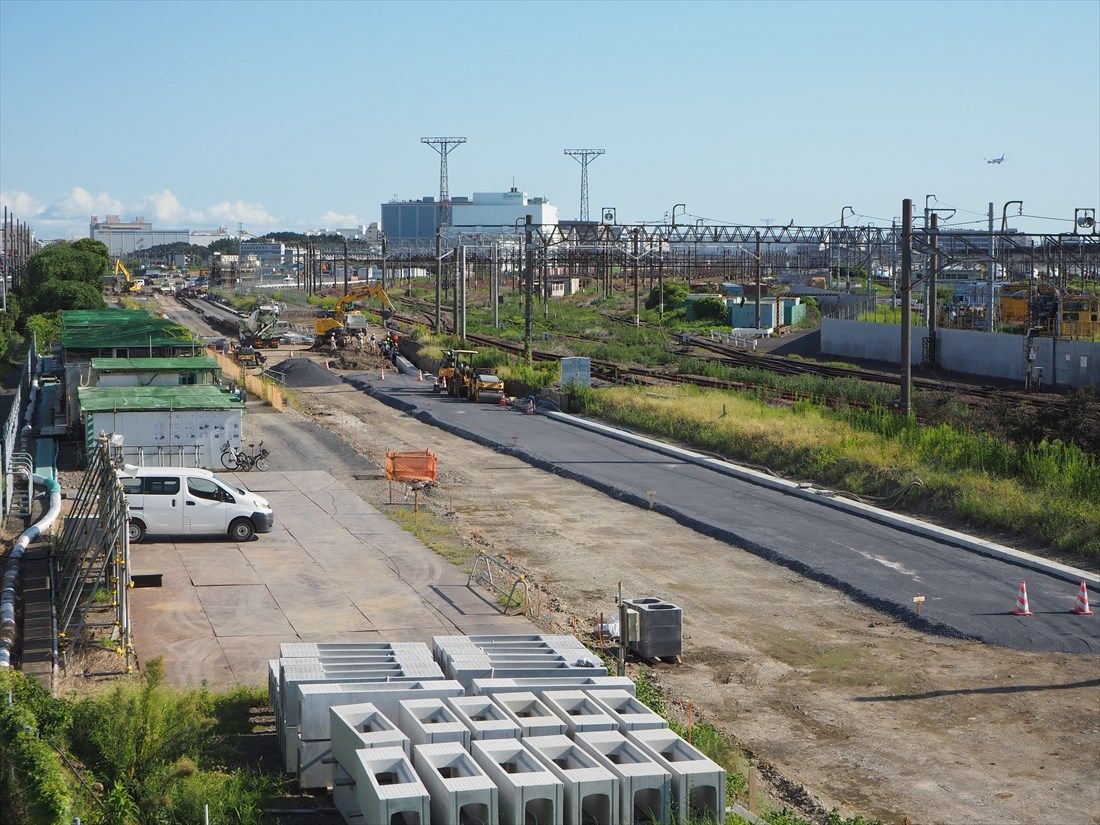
[225,483]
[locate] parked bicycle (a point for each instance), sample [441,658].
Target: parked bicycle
[234,459]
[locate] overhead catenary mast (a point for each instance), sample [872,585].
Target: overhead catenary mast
[584,157]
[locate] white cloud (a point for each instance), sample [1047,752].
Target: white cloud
[23,204]
[252,215]
[67,216]
[80,203]
[334,220]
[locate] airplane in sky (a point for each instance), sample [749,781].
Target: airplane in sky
[995,161]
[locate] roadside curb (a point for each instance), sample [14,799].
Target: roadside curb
[831,499]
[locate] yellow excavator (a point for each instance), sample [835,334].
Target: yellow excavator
[127,283]
[342,324]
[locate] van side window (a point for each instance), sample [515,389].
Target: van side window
[131,486]
[204,488]
[161,485]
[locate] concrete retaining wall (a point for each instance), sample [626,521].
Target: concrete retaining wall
[992,354]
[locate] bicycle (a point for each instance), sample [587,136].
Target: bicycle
[234,459]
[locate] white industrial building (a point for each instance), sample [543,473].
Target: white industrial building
[269,254]
[131,237]
[485,212]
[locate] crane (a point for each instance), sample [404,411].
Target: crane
[337,322]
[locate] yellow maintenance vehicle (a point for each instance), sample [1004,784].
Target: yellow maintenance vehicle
[341,324]
[463,380]
[449,365]
[127,283]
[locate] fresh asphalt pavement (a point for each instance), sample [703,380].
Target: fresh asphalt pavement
[966,594]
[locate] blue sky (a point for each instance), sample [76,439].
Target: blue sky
[304,115]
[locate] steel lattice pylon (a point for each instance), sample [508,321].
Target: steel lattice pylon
[584,157]
[444,145]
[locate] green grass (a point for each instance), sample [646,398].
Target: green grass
[435,531]
[1049,490]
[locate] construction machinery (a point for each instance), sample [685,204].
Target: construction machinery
[463,380]
[342,324]
[248,357]
[127,282]
[260,328]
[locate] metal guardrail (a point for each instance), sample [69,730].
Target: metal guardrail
[91,563]
[179,455]
[9,431]
[505,583]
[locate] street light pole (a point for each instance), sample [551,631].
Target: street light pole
[906,301]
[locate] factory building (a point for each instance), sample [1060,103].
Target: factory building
[130,237]
[268,254]
[484,212]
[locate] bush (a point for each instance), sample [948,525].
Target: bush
[711,310]
[46,328]
[675,295]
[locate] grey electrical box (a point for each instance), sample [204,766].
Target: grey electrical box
[654,628]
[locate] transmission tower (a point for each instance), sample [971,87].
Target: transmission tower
[584,157]
[444,145]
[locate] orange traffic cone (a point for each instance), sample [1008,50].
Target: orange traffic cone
[503,400]
[1082,607]
[1021,608]
[420,375]
[443,382]
[381,373]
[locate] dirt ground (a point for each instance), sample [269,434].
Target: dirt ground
[827,696]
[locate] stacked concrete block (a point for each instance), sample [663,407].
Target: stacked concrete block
[461,793]
[465,658]
[530,714]
[431,722]
[591,790]
[355,728]
[654,628]
[627,710]
[483,717]
[527,791]
[313,737]
[579,711]
[387,791]
[644,786]
[490,687]
[698,784]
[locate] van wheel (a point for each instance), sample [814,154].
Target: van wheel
[135,531]
[241,530]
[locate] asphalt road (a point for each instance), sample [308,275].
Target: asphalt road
[966,594]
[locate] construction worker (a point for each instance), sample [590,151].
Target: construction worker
[332,342]
[359,341]
[373,347]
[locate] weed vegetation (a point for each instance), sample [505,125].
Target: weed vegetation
[140,753]
[1048,490]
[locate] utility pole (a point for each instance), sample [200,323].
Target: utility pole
[932,307]
[383,234]
[345,266]
[454,293]
[584,157]
[461,287]
[438,279]
[757,279]
[528,286]
[444,146]
[989,302]
[661,282]
[906,301]
[634,270]
[494,285]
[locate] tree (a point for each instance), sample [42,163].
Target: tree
[65,276]
[227,246]
[96,247]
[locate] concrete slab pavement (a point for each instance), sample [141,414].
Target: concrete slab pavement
[334,568]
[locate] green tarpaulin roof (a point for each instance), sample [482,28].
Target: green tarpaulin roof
[108,328]
[188,397]
[198,362]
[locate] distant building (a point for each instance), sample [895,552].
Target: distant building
[205,237]
[485,212]
[369,232]
[267,253]
[129,237]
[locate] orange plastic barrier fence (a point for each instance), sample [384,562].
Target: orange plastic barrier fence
[418,466]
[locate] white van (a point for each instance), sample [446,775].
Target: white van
[180,501]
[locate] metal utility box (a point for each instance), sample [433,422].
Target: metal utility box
[652,628]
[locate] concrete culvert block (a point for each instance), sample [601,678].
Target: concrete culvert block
[591,791]
[483,717]
[488,687]
[461,792]
[530,714]
[628,711]
[355,727]
[644,786]
[578,711]
[387,789]
[431,722]
[698,783]
[528,793]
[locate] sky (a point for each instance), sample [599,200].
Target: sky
[308,115]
